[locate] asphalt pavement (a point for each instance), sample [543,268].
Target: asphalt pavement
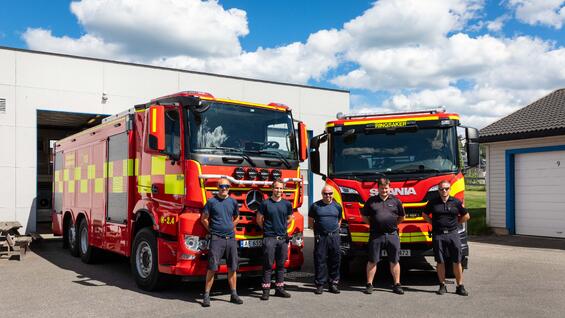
[508,277]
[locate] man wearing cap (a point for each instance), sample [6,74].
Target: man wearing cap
[447,213]
[219,217]
[273,217]
[383,213]
[326,215]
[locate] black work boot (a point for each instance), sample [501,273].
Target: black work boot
[460,290]
[319,289]
[206,300]
[280,292]
[442,289]
[334,289]
[235,299]
[265,295]
[397,289]
[368,289]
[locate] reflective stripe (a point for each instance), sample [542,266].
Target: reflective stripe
[412,237]
[128,167]
[65,174]
[83,186]
[91,172]
[144,184]
[99,185]
[174,184]
[158,165]
[118,185]
[71,186]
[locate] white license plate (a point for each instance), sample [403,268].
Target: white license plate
[250,243]
[403,253]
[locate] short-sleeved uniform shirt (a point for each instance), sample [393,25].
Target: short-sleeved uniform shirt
[383,214]
[326,216]
[275,217]
[445,215]
[221,213]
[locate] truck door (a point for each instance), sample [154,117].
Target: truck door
[118,169]
[163,177]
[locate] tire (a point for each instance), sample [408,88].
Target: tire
[86,251]
[144,262]
[72,239]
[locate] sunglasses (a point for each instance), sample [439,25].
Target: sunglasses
[327,193]
[443,189]
[224,186]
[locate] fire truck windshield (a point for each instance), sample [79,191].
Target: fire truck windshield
[425,151]
[239,129]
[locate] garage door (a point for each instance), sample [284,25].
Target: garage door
[540,193]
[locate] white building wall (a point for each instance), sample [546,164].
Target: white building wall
[31,80]
[496,174]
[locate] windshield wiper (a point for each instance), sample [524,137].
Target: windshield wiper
[413,170]
[276,153]
[235,151]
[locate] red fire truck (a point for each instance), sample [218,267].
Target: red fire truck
[415,150]
[136,184]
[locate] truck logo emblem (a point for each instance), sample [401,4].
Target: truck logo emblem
[254,199]
[395,191]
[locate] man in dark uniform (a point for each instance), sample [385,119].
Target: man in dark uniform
[273,217]
[326,215]
[383,213]
[447,213]
[219,217]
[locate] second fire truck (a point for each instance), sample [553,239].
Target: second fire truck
[415,150]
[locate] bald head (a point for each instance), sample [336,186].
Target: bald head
[327,194]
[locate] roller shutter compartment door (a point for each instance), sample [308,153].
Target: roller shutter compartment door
[540,193]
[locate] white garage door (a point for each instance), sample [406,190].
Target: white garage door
[540,193]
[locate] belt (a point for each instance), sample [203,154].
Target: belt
[223,237]
[336,232]
[444,231]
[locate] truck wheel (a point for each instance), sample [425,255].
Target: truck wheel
[86,251]
[72,239]
[144,264]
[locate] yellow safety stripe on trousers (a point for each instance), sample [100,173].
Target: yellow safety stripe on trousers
[413,237]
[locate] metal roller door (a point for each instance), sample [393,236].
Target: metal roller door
[540,193]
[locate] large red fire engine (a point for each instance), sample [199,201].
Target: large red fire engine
[415,150]
[136,184]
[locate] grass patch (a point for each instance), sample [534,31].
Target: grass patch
[476,204]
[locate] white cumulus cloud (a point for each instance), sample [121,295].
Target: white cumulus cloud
[544,12]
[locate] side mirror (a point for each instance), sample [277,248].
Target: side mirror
[157,127]
[472,146]
[303,141]
[315,153]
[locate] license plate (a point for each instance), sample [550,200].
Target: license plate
[403,253]
[250,243]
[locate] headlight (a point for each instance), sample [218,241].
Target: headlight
[346,190]
[239,173]
[264,174]
[276,174]
[195,243]
[296,239]
[252,173]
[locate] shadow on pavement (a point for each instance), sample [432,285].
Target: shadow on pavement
[114,270]
[521,241]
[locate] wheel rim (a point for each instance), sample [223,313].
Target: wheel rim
[72,236]
[144,259]
[84,240]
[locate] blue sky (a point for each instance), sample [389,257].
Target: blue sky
[483,59]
